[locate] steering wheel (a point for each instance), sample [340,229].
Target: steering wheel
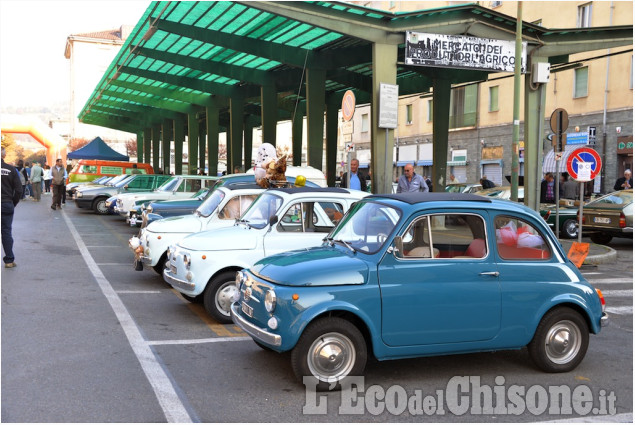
[381,238]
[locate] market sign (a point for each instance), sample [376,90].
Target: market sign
[458,51]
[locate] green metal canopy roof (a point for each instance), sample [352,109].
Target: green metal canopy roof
[183,56]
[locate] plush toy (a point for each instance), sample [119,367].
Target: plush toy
[265,156]
[275,176]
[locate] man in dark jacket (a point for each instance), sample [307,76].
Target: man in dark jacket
[11,195]
[358,180]
[625,182]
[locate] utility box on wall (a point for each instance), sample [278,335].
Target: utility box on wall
[540,72]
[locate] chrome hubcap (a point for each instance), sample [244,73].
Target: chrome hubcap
[563,342]
[224,297]
[331,357]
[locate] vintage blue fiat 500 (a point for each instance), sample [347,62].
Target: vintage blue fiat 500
[421,274]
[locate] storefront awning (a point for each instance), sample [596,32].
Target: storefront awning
[549,161]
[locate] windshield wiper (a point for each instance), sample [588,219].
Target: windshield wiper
[343,242]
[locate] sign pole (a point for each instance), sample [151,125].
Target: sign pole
[557,184]
[581,210]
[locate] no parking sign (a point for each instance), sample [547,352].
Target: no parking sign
[584,164]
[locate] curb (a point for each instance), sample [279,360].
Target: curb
[598,254]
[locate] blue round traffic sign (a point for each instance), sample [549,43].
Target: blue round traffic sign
[584,156]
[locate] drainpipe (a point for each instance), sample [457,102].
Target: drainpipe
[606,95]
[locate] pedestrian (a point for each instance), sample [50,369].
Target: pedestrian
[453,179]
[358,180]
[625,182]
[23,177]
[47,178]
[487,184]
[429,183]
[570,188]
[547,190]
[11,195]
[135,170]
[36,181]
[29,188]
[58,182]
[411,181]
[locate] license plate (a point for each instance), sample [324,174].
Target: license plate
[602,220]
[249,311]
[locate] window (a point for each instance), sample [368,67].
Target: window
[235,207]
[460,236]
[88,169]
[584,15]
[111,170]
[311,217]
[493,99]
[365,123]
[463,106]
[429,110]
[408,114]
[494,4]
[518,240]
[581,78]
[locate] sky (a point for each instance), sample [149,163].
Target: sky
[33,69]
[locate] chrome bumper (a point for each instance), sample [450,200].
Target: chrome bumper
[604,320]
[254,331]
[178,283]
[146,260]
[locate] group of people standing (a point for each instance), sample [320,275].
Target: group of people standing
[34,179]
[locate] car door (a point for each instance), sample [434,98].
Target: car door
[303,224]
[441,285]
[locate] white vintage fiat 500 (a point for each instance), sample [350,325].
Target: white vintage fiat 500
[204,265]
[220,209]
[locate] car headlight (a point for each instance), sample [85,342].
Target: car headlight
[270,300]
[187,260]
[79,194]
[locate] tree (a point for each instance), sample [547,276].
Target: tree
[131,148]
[77,143]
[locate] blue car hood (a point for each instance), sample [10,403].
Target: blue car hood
[319,266]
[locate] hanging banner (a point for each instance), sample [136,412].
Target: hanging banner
[458,51]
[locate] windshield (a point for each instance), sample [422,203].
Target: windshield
[169,185]
[455,188]
[118,179]
[615,198]
[201,194]
[211,203]
[262,209]
[122,183]
[367,226]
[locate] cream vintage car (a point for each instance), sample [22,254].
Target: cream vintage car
[204,265]
[220,209]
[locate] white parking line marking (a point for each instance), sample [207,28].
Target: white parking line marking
[199,341]
[164,390]
[618,293]
[103,246]
[621,417]
[610,281]
[112,264]
[627,309]
[138,292]
[588,273]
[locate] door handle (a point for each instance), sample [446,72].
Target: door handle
[495,274]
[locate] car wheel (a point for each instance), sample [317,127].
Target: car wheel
[570,229]
[99,206]
[218,296]
[560,341]
[161,264]
[601,238]
[330,350]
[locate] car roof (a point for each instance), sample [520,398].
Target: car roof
[417,197]
[305,189]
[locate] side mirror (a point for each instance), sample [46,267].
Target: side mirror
[397,248]
[273,220]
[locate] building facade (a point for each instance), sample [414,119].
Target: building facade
[595,88]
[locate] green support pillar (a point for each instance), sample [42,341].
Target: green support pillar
[236,125]
[147,145]
[249,141]
[333,104]
[156,143]
[441,90]
[534,129]
[296,135]
[269,113]
[192,143]
[166,139]
[384,71]
[140,146]
[213,129]
[202,136]
[179,140]
[315,103]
